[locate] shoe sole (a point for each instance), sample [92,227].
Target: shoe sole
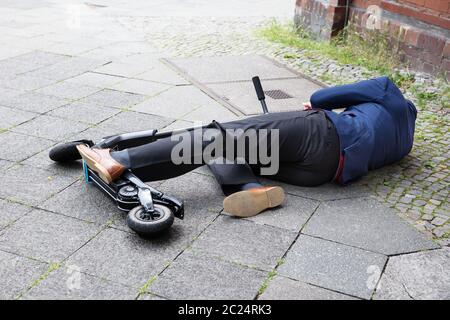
[249,203]
[94,165]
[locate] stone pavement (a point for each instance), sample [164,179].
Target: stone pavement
[73,69]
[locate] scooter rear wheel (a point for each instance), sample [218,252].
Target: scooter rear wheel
[146,226]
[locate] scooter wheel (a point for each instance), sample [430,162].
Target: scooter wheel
[67,152]
[146,226]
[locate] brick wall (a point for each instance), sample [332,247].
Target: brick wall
[323,18]
[421,26]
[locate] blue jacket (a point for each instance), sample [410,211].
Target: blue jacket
[376,128]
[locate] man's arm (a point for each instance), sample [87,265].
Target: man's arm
[350,94]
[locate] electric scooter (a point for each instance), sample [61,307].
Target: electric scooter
[150,211]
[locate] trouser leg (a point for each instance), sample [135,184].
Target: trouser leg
[153,161]
[232,177]
[303,145]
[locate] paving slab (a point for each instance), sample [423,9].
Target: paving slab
[26,82]
[178,124]
[39,58]
[417,276]
[147,59]
[199,192]
[245,242]
[147,88]
[5,164]
[292,215]
[17,273]
[366,223]
[233,68]
[67,90]
[121,69]
[105,53]
[17,146]
[114,99]
[329,191]
[129,121]
[125,257]
[12,117]
[197,276]
[7,93]
[281,95]
[33,102]
[70,48]
[11,67]
[163,74]
[95,133]
[150,296]
[333,266]
[68,283]
[206,114]
[46,236]
[51,128]
[281,288]
[83,112]
[204,170]
[10,212]
[22,5]
[11,51]
[41,160]
[175,102]
[98,80]
[30,185]
[130,46]
[70,68]
[83,201]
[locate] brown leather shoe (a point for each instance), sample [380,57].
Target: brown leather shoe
[253,201]
[101,162]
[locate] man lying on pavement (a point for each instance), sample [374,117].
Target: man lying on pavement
[308,147]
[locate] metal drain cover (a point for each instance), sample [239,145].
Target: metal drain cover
[277,94]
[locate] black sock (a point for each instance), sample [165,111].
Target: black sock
[250,185]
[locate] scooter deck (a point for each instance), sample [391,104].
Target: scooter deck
[124,192]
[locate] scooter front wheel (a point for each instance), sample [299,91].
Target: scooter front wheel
[147,225]
[67,152]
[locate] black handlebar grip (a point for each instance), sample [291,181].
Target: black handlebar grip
[258,88]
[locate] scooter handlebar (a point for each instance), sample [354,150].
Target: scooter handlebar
[258,88]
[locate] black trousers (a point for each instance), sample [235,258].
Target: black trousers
[308,152]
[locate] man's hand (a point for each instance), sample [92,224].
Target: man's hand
[307,106]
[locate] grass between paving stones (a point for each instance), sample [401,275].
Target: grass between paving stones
[52,267]
[270,276]
[144,288]
[265,284]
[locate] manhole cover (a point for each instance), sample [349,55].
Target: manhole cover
[277,94]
